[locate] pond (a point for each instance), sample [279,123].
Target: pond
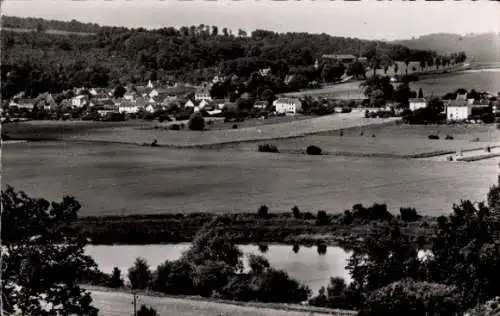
[305,265]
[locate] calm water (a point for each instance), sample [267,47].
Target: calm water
[307,266]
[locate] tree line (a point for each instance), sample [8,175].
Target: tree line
[38,62]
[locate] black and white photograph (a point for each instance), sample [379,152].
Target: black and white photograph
[250,158]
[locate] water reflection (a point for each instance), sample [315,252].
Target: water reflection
[305,265]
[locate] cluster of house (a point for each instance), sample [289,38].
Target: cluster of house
[145,98]
[459,109]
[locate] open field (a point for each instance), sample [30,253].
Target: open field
[125,133]
[438,85]
[119,304]
[126,179]
[391,140]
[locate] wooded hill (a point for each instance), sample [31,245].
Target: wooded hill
[39,61]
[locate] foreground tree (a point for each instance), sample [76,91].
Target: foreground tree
[43,259]
[140,275]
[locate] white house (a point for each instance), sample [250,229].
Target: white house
[287,105]
[458,110]
[260,105]
[79,101]
[203,93]
[417,103]
[23,103]
[129,108]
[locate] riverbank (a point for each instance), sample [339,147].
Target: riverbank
[343,230]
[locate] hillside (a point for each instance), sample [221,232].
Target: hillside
[45,60]
[480,47]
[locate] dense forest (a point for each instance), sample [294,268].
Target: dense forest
[39,61]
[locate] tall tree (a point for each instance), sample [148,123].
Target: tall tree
[140,275]
[43,259]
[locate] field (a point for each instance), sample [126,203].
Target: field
[127,179]
[391,140]
[131,132]
[119,304]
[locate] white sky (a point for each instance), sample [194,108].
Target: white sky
[369,19]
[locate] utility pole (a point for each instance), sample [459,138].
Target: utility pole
[135,302]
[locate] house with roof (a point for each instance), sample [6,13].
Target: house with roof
[203,92]
[264,72]
[23,103]
[287,106]
[80,101]
[345,59]
[46,101]
[417,103]
[129,107]
[458,110]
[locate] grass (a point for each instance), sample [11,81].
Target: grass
[391,141]
[127,179]
[134,132]
[117,302]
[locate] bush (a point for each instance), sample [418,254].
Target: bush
[174,127]
[412,298]
[433,136]
[409,214]
[268,148]
[196,122]
[448,137]
[235,126]
[146,311]
[263,211]
[313,150]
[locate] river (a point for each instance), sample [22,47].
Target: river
[306,266]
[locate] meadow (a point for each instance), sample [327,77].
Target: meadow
[391,140]
[133,132]
[125,179]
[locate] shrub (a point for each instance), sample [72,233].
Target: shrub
[235,126]
[115,281]
[146,311]
[321,247]
[268,148]
[412,298]
[313,150]
[448,137]
[196,122]
[409,214]
[263,211]
[174,127]
[433,136]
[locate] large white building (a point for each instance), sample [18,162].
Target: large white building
[287,105]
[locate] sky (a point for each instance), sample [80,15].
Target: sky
[369,19]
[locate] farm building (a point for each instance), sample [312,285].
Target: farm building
[287,105]
[203,93]
[417,103]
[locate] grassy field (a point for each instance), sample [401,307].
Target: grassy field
[126,179]
[391,140]
[119,304]
[131,132]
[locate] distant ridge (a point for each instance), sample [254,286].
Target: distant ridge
[484,47]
